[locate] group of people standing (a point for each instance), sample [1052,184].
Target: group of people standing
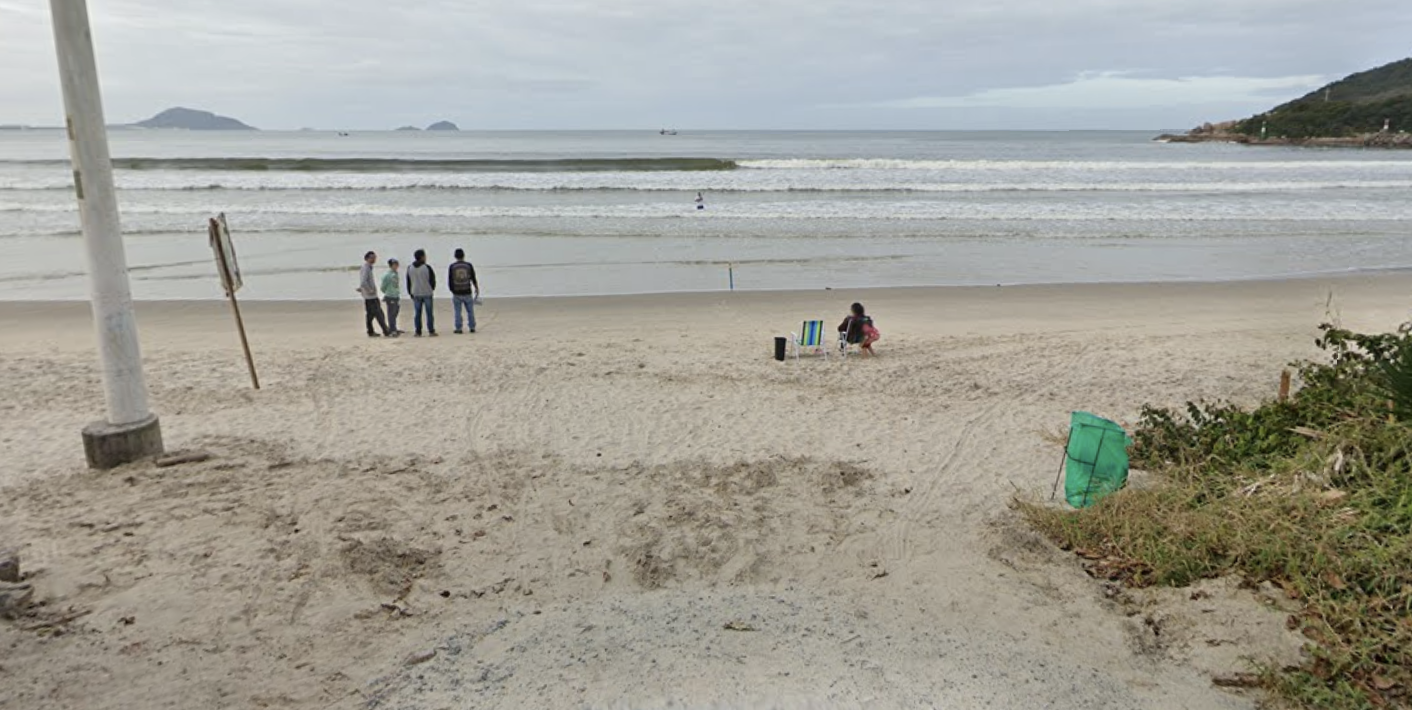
[421,288]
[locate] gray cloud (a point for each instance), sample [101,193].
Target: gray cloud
[1121,90]
[725,64]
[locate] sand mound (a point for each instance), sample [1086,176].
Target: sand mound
[287,554]
[736,524]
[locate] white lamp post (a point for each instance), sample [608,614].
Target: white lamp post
[131,431]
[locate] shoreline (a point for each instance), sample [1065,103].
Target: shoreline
[1000,295]
[1333,276]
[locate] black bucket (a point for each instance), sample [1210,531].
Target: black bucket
[780,343]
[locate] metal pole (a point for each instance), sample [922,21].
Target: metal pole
[124,386]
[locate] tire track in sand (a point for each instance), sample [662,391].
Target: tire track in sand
[899,541]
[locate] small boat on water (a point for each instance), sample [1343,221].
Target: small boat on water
[667,132]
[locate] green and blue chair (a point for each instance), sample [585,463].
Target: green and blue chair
[811,336]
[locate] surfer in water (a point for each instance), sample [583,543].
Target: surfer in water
[700,202]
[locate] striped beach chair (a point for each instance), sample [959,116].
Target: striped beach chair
[810,336]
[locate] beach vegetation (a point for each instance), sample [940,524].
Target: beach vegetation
[1312,494]
[1331,119]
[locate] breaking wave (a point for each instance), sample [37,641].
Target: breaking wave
[626,183]
[401,165]
[686,164]
[1064,165]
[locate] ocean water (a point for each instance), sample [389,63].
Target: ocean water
[572,213]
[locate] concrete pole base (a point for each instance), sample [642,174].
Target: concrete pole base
[112,445]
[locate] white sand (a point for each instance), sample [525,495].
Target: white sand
[571,505]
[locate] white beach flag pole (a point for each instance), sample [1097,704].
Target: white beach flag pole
[131,431]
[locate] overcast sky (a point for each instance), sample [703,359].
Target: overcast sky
[945,64]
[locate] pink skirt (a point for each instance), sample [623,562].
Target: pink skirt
[870,335]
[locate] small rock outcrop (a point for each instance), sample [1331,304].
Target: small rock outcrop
[408,128]
[9,566]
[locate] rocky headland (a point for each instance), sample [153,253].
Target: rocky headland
[1369,109]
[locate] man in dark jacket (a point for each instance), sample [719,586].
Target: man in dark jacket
[461,278]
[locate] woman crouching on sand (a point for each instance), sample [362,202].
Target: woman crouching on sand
[857,328]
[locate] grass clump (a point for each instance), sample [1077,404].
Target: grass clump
[1313,494]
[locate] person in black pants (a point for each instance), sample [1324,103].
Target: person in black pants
[372,307]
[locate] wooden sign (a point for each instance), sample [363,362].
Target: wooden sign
[230,279]
[226,264]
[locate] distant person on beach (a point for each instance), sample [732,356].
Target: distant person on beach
[372,308]
[700,201]
[461,277]
[392,295]
[421,286]
[858,329]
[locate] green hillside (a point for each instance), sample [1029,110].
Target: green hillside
[1356,104]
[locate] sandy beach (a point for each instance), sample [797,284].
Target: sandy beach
[624,502]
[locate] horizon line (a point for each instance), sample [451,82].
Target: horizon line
[134,127]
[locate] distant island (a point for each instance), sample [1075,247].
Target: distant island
[438,126]
[193,120]
[1370,109]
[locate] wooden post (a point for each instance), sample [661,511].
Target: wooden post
[235,307]
[730,269]
[1063,462]
[1284,386]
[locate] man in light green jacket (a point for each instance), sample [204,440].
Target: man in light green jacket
[392,296]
